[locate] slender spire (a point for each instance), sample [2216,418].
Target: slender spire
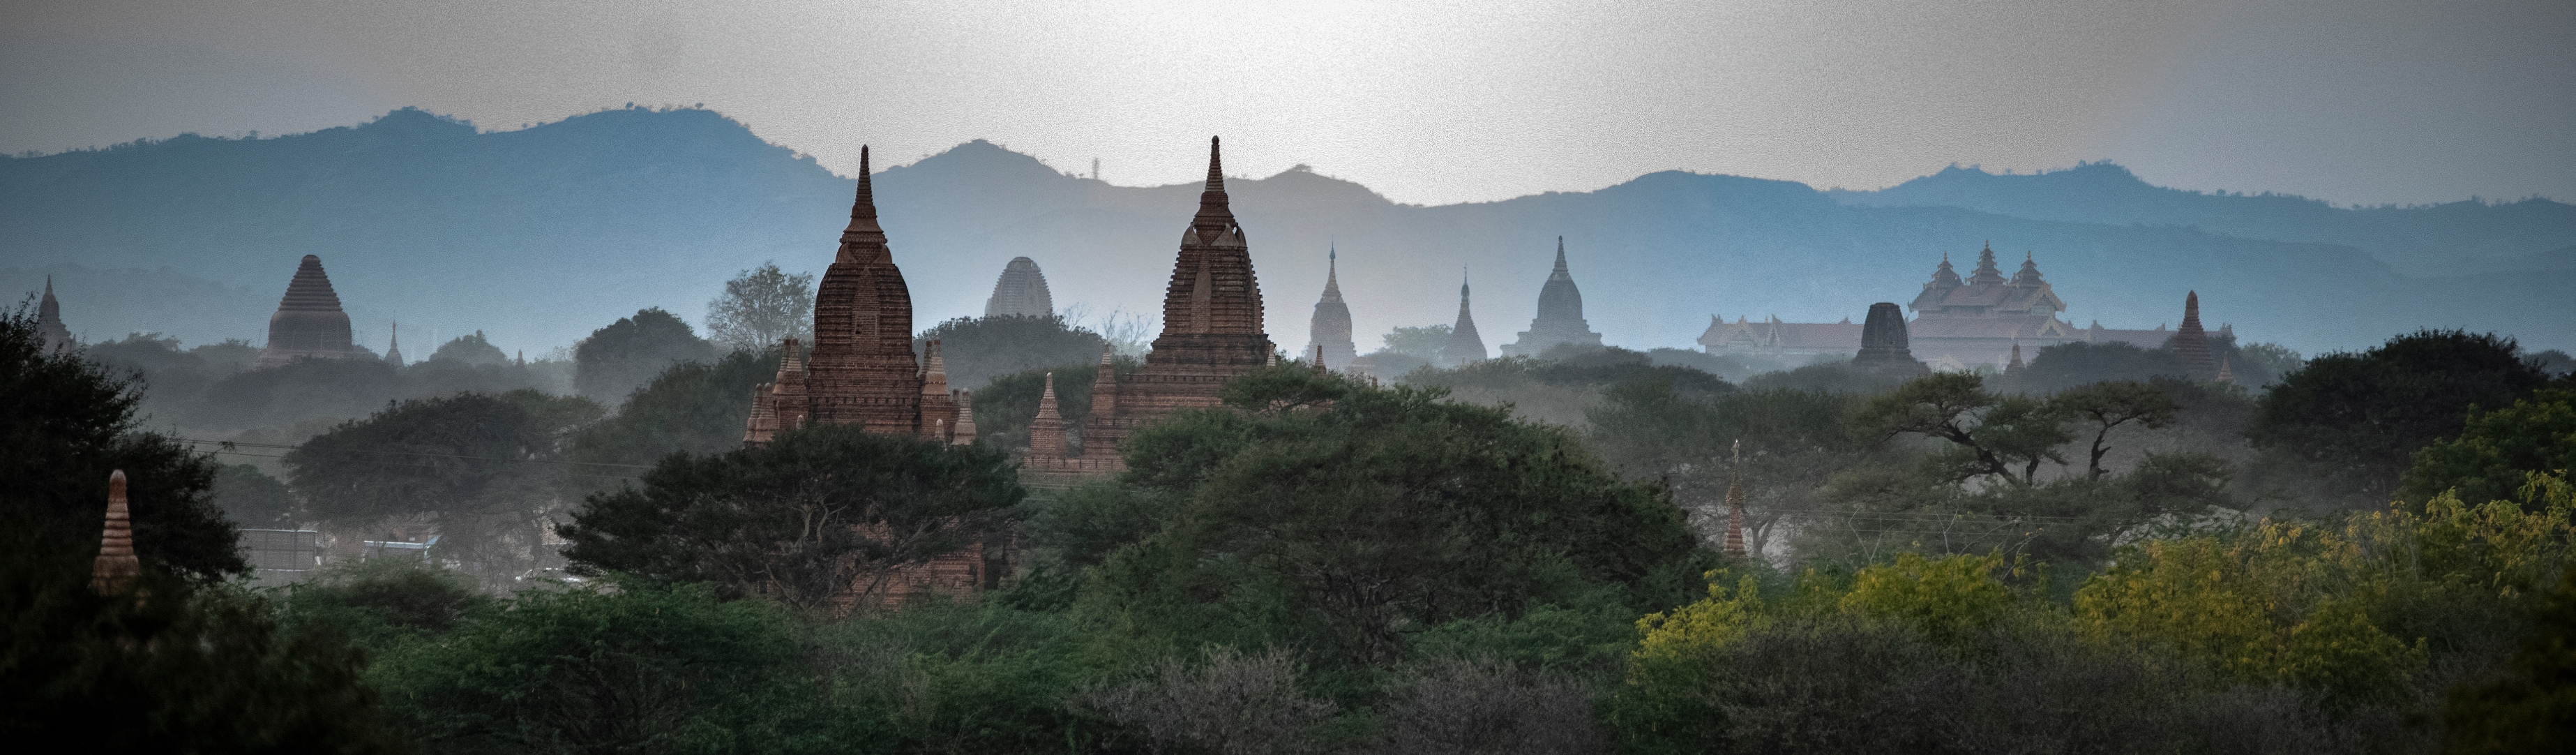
[1046,432]
[1332,276]
[863,210]
[1560,271]
[1215,218]
[965,433]
[116,567]
[1465,344]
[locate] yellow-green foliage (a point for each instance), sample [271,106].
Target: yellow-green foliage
[1724,616]
[1945,598]
[2329,608]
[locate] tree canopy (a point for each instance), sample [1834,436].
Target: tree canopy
[2362,416]
[814,517]
[616,359]
[760,307]
[978,349]
[66,425]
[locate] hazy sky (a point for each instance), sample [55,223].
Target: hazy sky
[2358,101]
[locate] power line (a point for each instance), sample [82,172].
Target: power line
[193,441]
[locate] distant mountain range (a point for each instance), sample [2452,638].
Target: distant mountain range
[537,236]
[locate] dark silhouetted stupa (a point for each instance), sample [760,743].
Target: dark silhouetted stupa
[2190,344]
[1560,315]
[393,347]
[1329,334]
[308,322]
[1465,346]
[51,336]
[1884,348]
[1022,292]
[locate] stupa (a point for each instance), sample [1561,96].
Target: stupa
[393,347]
[309,322]
[1465,346]
[52,337]
[1329,333]
[1212,332]
[1560,315]
[1884,347]
[2190,344]
[862,370]
[1021,292]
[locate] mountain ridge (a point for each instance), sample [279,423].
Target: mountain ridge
[540,234]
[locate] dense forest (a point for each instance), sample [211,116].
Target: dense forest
[2361,551]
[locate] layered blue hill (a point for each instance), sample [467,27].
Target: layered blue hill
[539,235]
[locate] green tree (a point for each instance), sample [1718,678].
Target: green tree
[690,408]
[2497,449]
[2530,704]
[2361,417]
[810,518]
[2106,406]
[1423,343]
[470,350]
[760,307]
[979,349]
[2001,437]
[642,668]
[1005,407]
[251,498]
[1327,513]
[66,425]
[167,667]
[486,469]
[616,359]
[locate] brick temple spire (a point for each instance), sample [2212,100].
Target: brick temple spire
[863,371]
[116,567]
[1212,326]
[2190,344]
[1046,433]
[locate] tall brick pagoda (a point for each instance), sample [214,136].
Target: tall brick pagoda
[1211,333]
[309,322]
[2190,344]
[862,370]
[1560,315]
[1329,334]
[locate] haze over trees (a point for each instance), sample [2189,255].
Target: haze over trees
[616,359]
[761,306]
[1329,565]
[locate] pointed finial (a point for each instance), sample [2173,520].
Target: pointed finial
[1216,167]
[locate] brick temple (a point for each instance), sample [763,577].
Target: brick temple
[862,371]
[1212,333]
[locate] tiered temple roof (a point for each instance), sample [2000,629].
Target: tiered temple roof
[1560,315]
[1021,291]
[862,370]
[1212,332]
[1329,333]
[308,322]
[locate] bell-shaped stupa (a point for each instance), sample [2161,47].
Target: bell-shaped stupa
[1560,315]
[1021,292]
